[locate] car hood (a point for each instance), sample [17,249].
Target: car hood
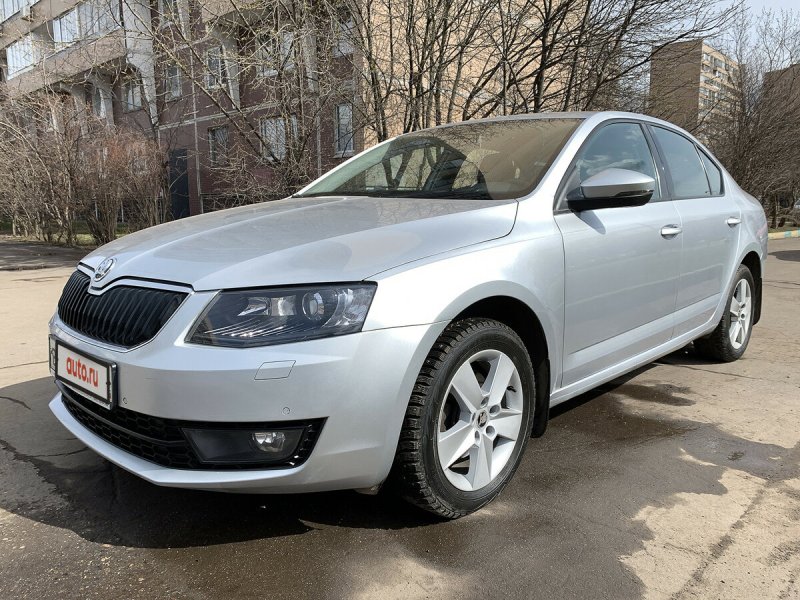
[302,240]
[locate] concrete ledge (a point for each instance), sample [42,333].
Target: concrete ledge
[779,235]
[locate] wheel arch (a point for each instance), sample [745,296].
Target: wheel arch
[520,317]
[752,261]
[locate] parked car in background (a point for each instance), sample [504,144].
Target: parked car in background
[413,314]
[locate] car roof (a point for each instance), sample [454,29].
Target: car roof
[597,116]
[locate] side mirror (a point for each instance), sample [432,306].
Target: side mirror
[612,188]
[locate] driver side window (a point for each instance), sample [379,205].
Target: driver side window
[614,146]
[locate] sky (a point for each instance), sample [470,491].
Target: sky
[757,5]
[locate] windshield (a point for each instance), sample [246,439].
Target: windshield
[494,160]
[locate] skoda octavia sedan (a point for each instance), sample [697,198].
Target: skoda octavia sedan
[411,316]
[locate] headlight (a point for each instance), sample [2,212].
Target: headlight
[246,318]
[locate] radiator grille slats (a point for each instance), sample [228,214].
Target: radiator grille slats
[124,316]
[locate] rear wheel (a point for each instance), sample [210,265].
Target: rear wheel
[729,340]
[468,420]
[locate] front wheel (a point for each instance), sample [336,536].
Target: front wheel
[729,340]
[468,420]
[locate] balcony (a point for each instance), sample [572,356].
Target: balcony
[230,10]
[41,12]
[66,65]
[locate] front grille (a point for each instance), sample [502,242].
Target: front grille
[124,316]
[161,441]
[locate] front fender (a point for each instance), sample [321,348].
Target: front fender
[434,291]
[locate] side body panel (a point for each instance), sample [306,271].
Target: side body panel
[621,278]
[710,248]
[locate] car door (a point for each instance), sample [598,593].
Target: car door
[710,221]
[621,264]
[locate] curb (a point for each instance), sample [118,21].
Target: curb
[779,235]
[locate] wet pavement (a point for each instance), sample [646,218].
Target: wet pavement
[681,480]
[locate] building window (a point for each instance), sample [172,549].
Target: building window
[344,35]
[218,145]
[273,134]
[88,19]
[96,17]
[21,55]
[10,8]
[173,82]
[98,103]
[275,53]
[65,29]
[107,16]
[215,66]
[344,129]
[168,11]
[132,95]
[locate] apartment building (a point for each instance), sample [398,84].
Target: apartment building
[781,102]
[197,76]
[691,84]
[784,86]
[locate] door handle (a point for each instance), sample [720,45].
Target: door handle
[733,221]
[670,231]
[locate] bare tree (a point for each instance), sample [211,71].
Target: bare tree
[269,73]
[756,137]
[266,76]
[425,62]
[59,165]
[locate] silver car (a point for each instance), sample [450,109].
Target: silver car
[411,316]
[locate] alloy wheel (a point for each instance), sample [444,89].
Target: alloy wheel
[741,314]
[480,420]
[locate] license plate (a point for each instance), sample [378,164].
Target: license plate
[88,375]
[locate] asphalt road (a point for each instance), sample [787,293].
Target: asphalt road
[681,480]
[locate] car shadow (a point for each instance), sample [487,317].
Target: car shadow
[112,506]
[791,255]
[578,492]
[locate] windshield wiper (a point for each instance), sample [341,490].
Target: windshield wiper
[449,195]
[331,193]
[472,195]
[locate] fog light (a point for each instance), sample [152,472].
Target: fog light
[269,441]
[245,446]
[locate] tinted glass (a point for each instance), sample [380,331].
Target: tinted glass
[494,160]
[688,176]
[615,146]
[714,174]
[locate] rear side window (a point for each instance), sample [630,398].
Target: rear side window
[618,146]
[688,175]
[714,174]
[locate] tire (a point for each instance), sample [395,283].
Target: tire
[446,414]
[729,340]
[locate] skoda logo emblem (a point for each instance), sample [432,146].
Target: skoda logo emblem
[103,269]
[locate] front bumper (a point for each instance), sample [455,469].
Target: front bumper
[358,384]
